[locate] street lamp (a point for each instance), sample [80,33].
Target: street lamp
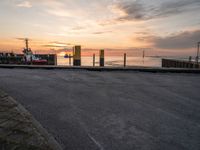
[197,58]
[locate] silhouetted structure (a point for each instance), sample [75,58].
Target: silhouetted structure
[93,60]
[27,50]
[124,59]
[170,63]
[197,58]
[77,56]
[11,58]
[102,58]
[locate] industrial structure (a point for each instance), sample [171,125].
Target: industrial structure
[28,58]
[102,59]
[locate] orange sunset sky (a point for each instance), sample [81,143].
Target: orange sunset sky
[163,27]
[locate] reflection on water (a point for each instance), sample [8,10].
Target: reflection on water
[116,61]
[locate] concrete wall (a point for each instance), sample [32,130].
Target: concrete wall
[170,63]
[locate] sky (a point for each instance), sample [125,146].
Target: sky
[164,27]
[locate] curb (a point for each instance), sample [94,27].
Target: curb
[49,138]
[134,69]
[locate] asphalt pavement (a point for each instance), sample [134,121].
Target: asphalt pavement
[88,110]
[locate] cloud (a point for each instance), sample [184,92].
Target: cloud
[183,40]
[175,7]
[25,4]
[57,34]
[53,46]
[129,10]
[58,12]
[101,32]
[58,44]
[62,8]
[78,28]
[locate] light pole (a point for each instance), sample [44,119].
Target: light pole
[198,45]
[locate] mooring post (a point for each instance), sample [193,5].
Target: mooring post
[77,56]
[124,59]
[31,58]
[93,60]
[102,58]
[48,59]
[55,60]
[70,60]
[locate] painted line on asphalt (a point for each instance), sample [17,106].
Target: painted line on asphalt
[96,142]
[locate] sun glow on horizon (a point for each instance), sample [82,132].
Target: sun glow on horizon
[120,24]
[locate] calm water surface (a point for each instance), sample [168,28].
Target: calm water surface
[116,61]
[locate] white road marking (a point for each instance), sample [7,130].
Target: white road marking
[96,142]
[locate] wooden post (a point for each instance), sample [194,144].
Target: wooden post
[101,58]
[77,56]
[48,60]
[124,59]
[70,59]
[143,55]
[31,60]
[55,60]
[93,60]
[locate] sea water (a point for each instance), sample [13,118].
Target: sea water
[115,61]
